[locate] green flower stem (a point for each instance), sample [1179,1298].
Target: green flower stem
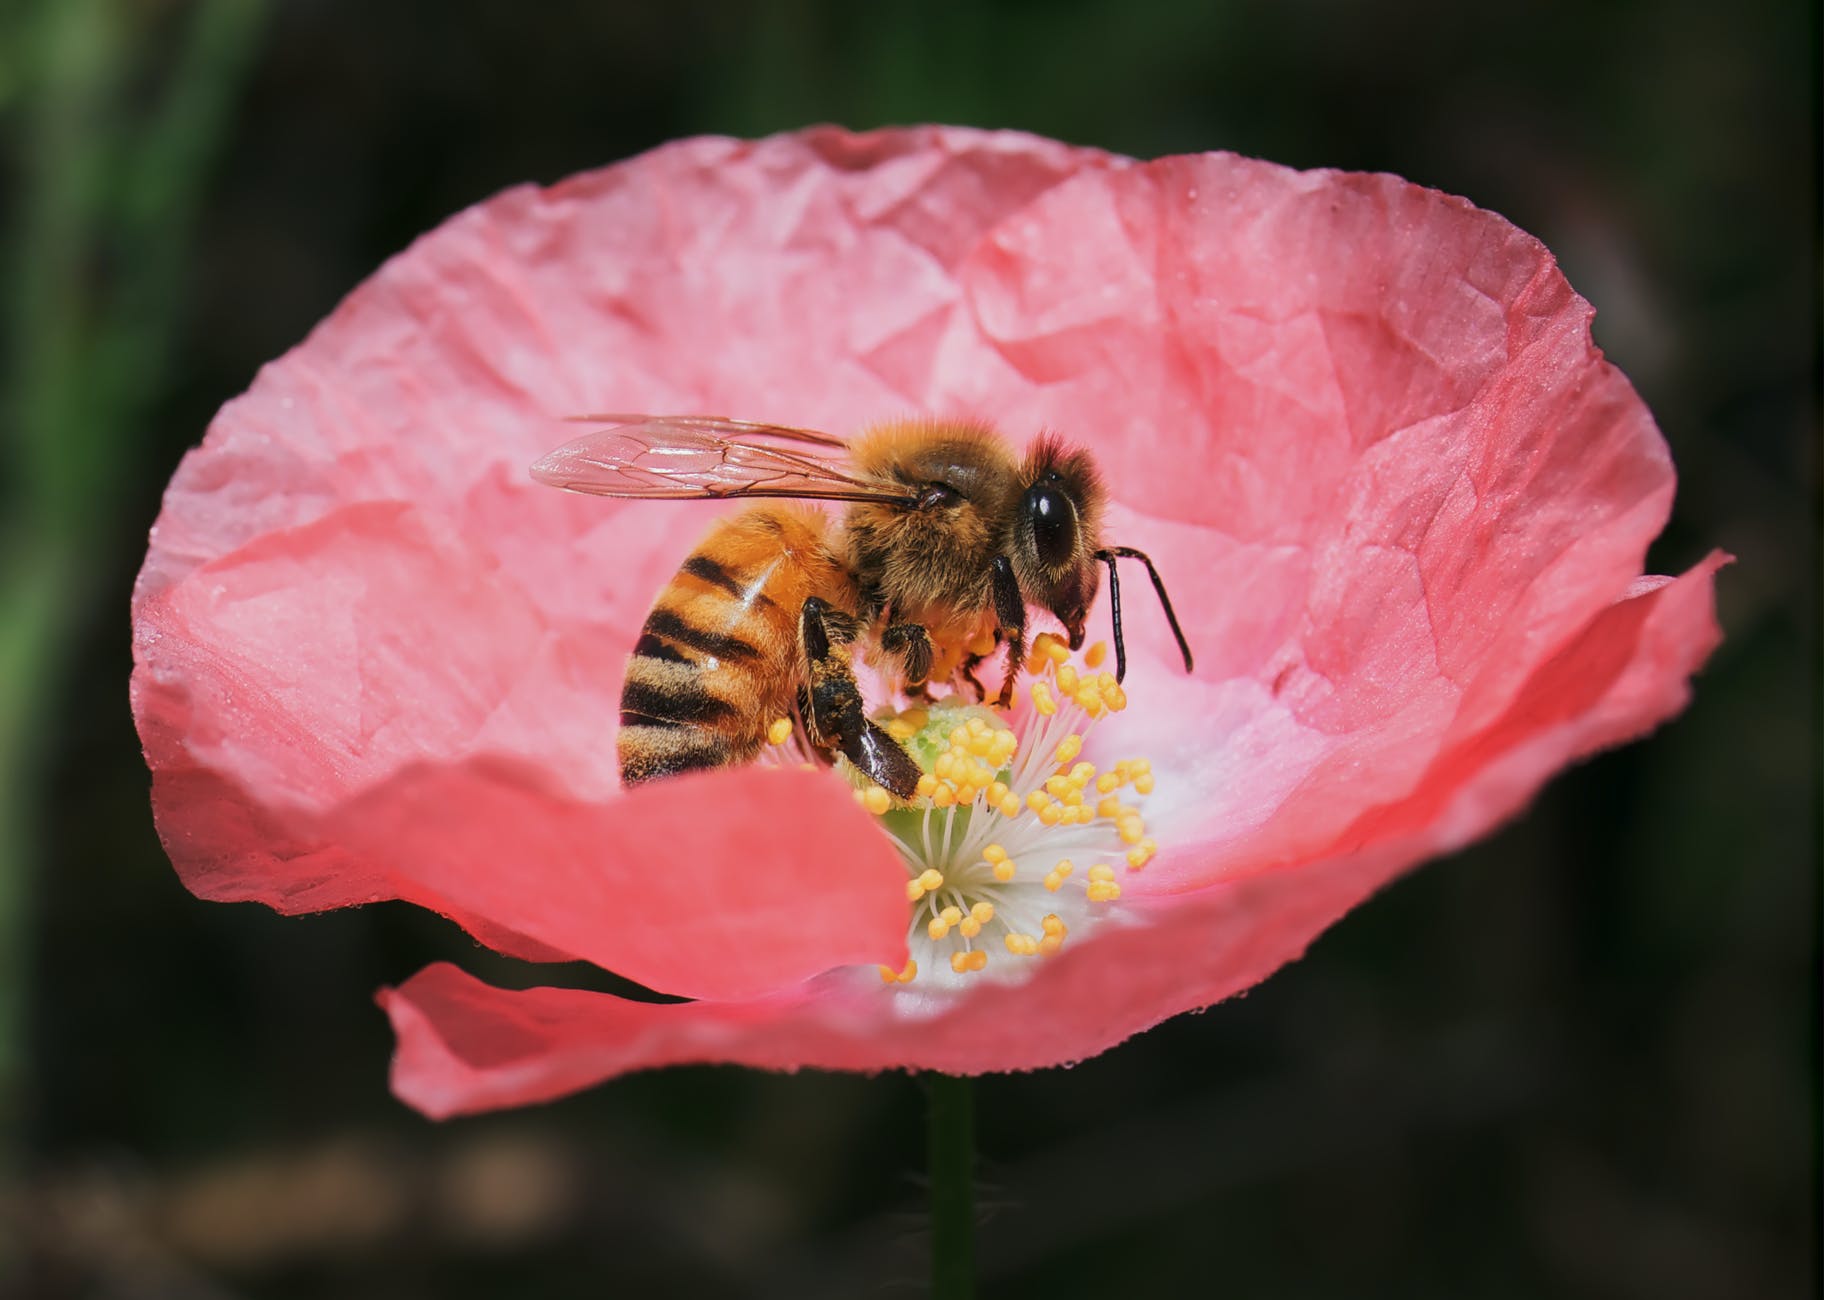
[950,1151]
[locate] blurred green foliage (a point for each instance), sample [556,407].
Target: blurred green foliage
[1578,1060]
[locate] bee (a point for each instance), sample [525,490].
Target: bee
[948,537]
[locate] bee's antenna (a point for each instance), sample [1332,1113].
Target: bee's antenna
[1108,556]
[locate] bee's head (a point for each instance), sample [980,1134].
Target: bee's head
[1056,531]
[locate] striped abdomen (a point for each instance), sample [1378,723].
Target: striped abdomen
[718,658]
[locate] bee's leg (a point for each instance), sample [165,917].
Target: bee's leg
[837,716]
[912,644]
[1010,612]
[967,672]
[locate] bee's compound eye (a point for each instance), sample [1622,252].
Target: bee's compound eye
[1054,524]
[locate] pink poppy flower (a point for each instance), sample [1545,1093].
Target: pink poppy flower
[1401,501]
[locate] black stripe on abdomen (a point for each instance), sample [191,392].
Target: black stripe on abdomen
[664,623]
[673,706]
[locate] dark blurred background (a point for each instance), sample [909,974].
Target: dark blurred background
[1578,1060]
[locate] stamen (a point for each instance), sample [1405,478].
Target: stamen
[997,790]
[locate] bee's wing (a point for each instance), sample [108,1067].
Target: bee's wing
[721,425]
[695,456]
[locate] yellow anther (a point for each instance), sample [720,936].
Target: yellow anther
[1108,782]
[1037,799]
[931,878]
[926,785]
[1051,814]
[943,796]
[917,717]
[1142,765]
[982,912]
[1067,679]
[900,729]
[1054,925]
[1068,748]
[997,791]
[1055,650]
[1042,699]
[981,744]
[1021,945]
[945,767]
[969,927]
[938,928]
[1090,702]
[1103,891]
[1053,881]
[1094,656]
[1057,786]
[994,853]
[876,800]
[1109,807]
[978,959]
[1101,871]
[1080,774]
[959,962]
[959,736]
[1131,829]
[1049,945]
[888,975]
[1005,743]
[1114,697]
[914,891]
[1141,854]
[910,973]
[1074,799]
[1010,806]
[1004,871]
[952,914]
[781,731]
[1143,784]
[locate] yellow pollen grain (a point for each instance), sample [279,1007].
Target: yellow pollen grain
[900,729]
[926,785]
[1101,871]
[982,912]
[1055,650]
[1143,784]
[1010,806]
[931,878]
[1053,924]
[1094,656]
[1103,891]
[943,796]
[876,800]
[1004,871]
[969,927]
[1051,814]
[1067,679]
[1141,854]
[914,891]
[1068,748]
[888,975]
[1108,783]
[952,914]
[910,973]
[781,731]
[959,962]
[1131,829]
[1037,799]
[1109,807]
[1020,945]
[994,853]
[997,791]
[1042,699]
[938,928]
[1049,945]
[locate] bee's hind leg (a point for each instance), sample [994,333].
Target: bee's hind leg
[836,713]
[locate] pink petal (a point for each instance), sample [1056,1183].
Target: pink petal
[464,1046]
[307,707]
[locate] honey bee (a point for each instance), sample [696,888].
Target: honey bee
[948,537]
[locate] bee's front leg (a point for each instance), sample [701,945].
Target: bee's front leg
[911,645]
[837,716]
[1010,613]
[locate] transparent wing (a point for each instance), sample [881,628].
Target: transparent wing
[685,457]
[717,424]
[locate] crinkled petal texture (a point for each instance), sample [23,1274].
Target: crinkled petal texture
[1402,502]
